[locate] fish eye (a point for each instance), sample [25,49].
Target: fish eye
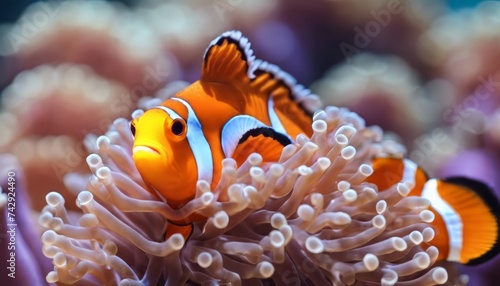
[132,129]
[178,127]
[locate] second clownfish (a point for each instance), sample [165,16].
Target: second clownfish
[467,212]
[239,106]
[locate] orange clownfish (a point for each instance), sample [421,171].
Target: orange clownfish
[239,106]
[467,213]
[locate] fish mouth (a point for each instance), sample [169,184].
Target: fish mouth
[147,149]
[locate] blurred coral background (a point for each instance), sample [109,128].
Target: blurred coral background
[427,72]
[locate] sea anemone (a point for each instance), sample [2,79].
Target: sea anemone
[36,107]
[310,218]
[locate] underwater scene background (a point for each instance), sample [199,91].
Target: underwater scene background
[427,72]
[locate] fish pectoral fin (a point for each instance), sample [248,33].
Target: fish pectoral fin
[478,213]
[227,59]
[264,141]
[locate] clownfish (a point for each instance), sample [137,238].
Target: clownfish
[240,105]
[467,213]
[243,105]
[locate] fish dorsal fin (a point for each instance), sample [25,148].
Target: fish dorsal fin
[292,103]
[230,60]
[243,135]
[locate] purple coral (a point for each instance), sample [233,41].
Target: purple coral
[22,261]
[309,218]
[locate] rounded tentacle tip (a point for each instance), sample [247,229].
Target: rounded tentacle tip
[350,195]
[422,259]
[304,170]
[84,198]
[277,170]
[94,161]
[324,163]
[49,237]
[341,218]
[346,130]
[416,237]
[440,275]
[427,216]
[203,186]
[379,221]
[371,262]
[341,139]
[221,219]
[137,113]
[104,175]
[381,206]
[250,191]
[176,241]
[56,224]
[428,234]
[314,245]
[319,126]
[255,159]
[54,199]
[204,259]
[126,282]
[103,142]
[110,248]
[366,170]
[348,152]
[120,121]
[278,220]
[207,198]
[59,260]
[317,199]
[277,239]
[320,115]
[399,244]
[311,147]
[257,173]
[432,251]
[45,218]
[265,269]
[228,163]
[343,185]
[52,277]
[305,212]
[403,189]
[389,278]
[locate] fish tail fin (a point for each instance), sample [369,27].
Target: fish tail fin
[467,219]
